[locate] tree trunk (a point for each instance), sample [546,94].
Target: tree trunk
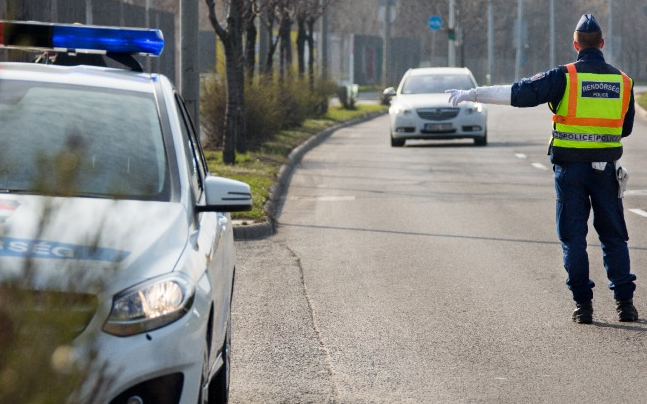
[285,28]
[232,41]
[250,41]
[311,52]
[301,45]
[268,63]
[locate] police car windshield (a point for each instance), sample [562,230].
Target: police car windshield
[78,140]
[436,83]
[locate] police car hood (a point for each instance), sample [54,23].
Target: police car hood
[87,243]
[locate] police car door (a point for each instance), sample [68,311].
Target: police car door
[212,227]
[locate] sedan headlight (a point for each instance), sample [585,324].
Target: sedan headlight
[400,110]
[150,305]
[476,107]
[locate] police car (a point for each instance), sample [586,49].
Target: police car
[420,110]
[108,208]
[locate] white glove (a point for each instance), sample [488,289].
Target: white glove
[458,96]
[487,95]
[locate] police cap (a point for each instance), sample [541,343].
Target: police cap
[588,23]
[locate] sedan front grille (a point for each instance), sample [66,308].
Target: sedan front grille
[437,114]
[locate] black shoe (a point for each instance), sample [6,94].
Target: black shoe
[626,310]
[583,313]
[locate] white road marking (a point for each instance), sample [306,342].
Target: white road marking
[639,212]
[540,166]
[521,156]
[336,198]
[342,198]
[641,192]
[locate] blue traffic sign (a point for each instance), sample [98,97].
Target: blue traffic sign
[435,22]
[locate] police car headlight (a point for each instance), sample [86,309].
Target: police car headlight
[150,305]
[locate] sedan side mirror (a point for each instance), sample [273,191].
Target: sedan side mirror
[387,94]
[225,195]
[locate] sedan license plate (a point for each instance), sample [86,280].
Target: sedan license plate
[438,127]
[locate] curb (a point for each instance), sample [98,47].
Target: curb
[641,110]
[273,205]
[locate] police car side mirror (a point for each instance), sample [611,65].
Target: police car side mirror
[225,195]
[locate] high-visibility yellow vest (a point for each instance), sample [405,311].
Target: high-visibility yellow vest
[592,111]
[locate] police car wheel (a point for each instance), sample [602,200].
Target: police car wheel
[202,398]
[219,386]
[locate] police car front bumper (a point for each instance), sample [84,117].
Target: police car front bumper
[166,362]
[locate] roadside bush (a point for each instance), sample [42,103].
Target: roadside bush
[264,112]
[213,103]
[270,106]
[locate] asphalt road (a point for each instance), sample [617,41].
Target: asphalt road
[432,274]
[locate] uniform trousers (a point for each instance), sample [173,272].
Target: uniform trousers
[579,189]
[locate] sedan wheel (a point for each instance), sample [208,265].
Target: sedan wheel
[481,141]
[397,142]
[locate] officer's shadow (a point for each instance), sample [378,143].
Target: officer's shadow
[638,325]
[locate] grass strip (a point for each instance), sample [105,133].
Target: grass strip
[259,168]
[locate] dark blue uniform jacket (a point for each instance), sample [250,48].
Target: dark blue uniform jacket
[549,87]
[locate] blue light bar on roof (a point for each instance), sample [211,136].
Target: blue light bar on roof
[81,38]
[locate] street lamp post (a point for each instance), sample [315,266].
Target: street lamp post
[451,48]
[552,33]
[387,44]
[609,42]
[490,43]
[190,70]
[519,41]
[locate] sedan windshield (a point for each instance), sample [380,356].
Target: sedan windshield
[436,83]
[77,140]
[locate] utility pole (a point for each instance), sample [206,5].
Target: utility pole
[451,48]
[88,12]
[54,11]
[609,42]
[517,65]
[189,53]
[490,43]
[387,44]
[552,33]
[148,25]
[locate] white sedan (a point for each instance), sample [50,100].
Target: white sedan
[420,108]
[116,243]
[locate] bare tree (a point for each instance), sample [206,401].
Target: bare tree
[231,37]
[287,13]
[308,12]
[249,16]
[269,19]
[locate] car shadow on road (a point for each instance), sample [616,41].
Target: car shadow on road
[435,235]
[465,143]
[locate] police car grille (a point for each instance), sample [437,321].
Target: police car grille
[51,317]
[437,114]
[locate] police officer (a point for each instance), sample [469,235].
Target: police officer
[593,107]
